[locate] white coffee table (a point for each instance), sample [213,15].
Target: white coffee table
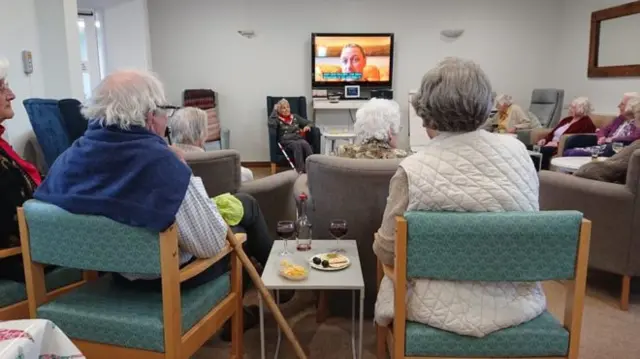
[571,164]
[349,279]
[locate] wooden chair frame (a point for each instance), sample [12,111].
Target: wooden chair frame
[20,310]
[176,345]
[394,336]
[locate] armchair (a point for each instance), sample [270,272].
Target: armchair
[220,173]
[106,320]
[546,104]
[299,107]
[46,121]
[472,247]
[614,210]
[218,138]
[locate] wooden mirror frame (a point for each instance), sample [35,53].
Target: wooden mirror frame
[631,70]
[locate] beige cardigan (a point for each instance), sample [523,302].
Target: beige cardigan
[516,118]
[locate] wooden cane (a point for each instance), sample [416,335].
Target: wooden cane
[266,295]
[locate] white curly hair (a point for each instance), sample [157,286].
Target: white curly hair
[377,119]
[504,100]
[629,97]
[581,106]
[633,106]
[188,126]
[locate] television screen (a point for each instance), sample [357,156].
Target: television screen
[352,59]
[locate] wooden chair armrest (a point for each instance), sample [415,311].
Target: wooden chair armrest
[200,265]
[389,271]
[10,252]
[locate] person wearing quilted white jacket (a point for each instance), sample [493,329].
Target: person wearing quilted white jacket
[462,169]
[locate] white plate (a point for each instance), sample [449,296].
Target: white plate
[328,269]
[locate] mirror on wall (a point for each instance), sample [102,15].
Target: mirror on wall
[613,52]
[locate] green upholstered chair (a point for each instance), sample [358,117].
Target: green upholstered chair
[13,295]
[508,246]
[106,320]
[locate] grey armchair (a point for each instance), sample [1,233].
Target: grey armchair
[357,191]
[220,173]
[546,104]
[614,210]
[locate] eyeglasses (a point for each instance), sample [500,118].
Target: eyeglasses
[170,110]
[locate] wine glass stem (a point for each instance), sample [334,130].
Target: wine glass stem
[285,245]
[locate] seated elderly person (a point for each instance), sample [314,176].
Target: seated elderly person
[291,131]
[18,181]
[510,117]
[188,132]
[123,169]
[623,129]
[377,126]
[615,168]
[578,121]
[458,171]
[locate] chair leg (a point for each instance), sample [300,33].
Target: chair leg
[625,293]
[381,342]
[273,168]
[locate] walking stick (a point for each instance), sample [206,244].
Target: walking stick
[286,156]
[255,277]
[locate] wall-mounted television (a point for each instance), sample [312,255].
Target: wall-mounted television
[352,59]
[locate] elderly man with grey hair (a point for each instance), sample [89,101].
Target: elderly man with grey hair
[123,169]
[377,127]
[462,169]
[188,132]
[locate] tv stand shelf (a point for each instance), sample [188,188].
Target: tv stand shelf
[325,104]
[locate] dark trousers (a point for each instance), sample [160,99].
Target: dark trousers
[547,153]
[301,149]
[258,246]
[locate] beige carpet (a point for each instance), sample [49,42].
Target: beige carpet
[607,332]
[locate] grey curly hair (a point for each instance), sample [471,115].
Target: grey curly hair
[377,119]
[455,96]
[188,126]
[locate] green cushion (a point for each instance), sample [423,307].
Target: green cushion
[105,312]
[543,336]
[504,246]
[13,292]
[106,245]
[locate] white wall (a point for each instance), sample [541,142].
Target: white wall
[572,55]
[195,44]
[60,46]
[126,35]
[19,17]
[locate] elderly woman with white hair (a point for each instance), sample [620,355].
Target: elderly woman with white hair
[18,181]
[458,171]
[292,130]
[377,127]
[188,132]
[622,129]
[510,117]
[578,121]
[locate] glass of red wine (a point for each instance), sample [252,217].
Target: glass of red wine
[338,229]
[286,230]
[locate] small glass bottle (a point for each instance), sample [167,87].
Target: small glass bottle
[303,225]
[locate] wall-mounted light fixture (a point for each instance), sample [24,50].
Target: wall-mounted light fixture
[249,34]
[452,33]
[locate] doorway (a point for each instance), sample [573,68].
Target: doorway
[91,35]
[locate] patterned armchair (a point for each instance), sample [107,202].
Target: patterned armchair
[515,246]
[48,126]
[106,320]
[13,295]
[218,138]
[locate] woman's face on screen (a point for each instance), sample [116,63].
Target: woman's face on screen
[352,60]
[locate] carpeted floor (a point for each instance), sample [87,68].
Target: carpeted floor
[608,332]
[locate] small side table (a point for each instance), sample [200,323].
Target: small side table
[571,164]
[333,137]
[539,155]
[350,279]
